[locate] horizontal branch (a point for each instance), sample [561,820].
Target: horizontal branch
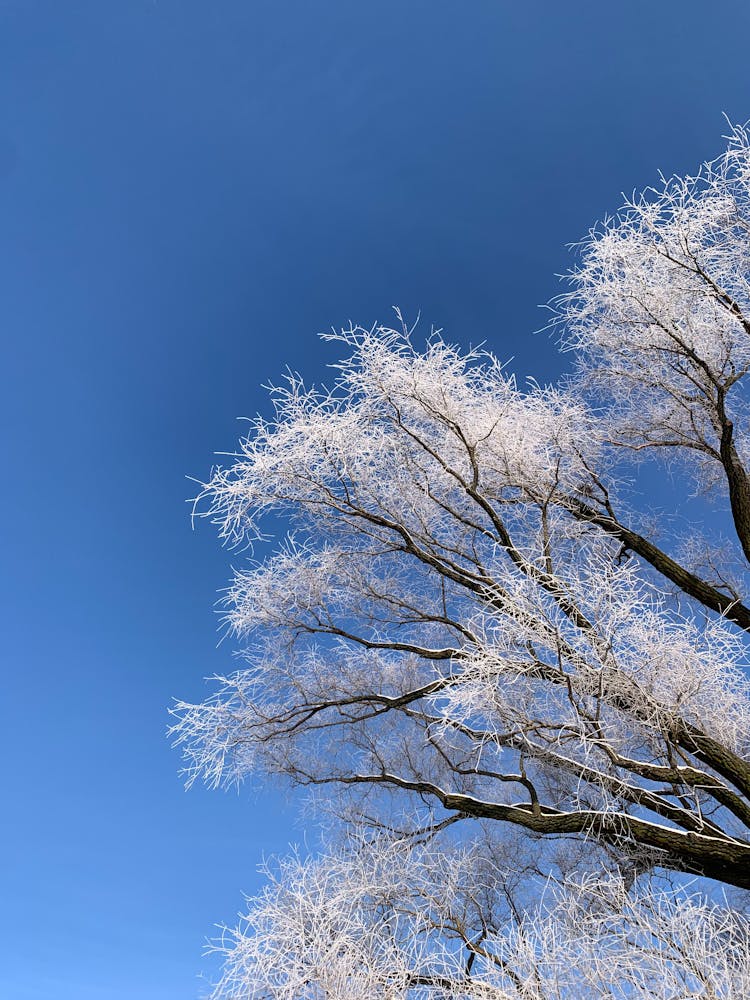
[711,856]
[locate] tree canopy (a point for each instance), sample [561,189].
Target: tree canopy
[522,705]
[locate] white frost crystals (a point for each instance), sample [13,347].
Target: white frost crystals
[526,716]
[312,933]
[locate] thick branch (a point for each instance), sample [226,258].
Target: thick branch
[737,479]
[720,858]
[689,583]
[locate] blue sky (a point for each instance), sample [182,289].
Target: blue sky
[189,192]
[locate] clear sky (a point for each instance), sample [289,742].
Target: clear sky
[191,190]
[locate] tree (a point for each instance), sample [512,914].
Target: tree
[496,673]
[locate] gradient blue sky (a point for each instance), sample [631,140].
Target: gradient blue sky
[189,192]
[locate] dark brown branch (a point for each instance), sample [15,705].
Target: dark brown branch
[688,582]
[738,483]
[710,856]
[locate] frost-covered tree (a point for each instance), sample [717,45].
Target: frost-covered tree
[391,921]
[523,705]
